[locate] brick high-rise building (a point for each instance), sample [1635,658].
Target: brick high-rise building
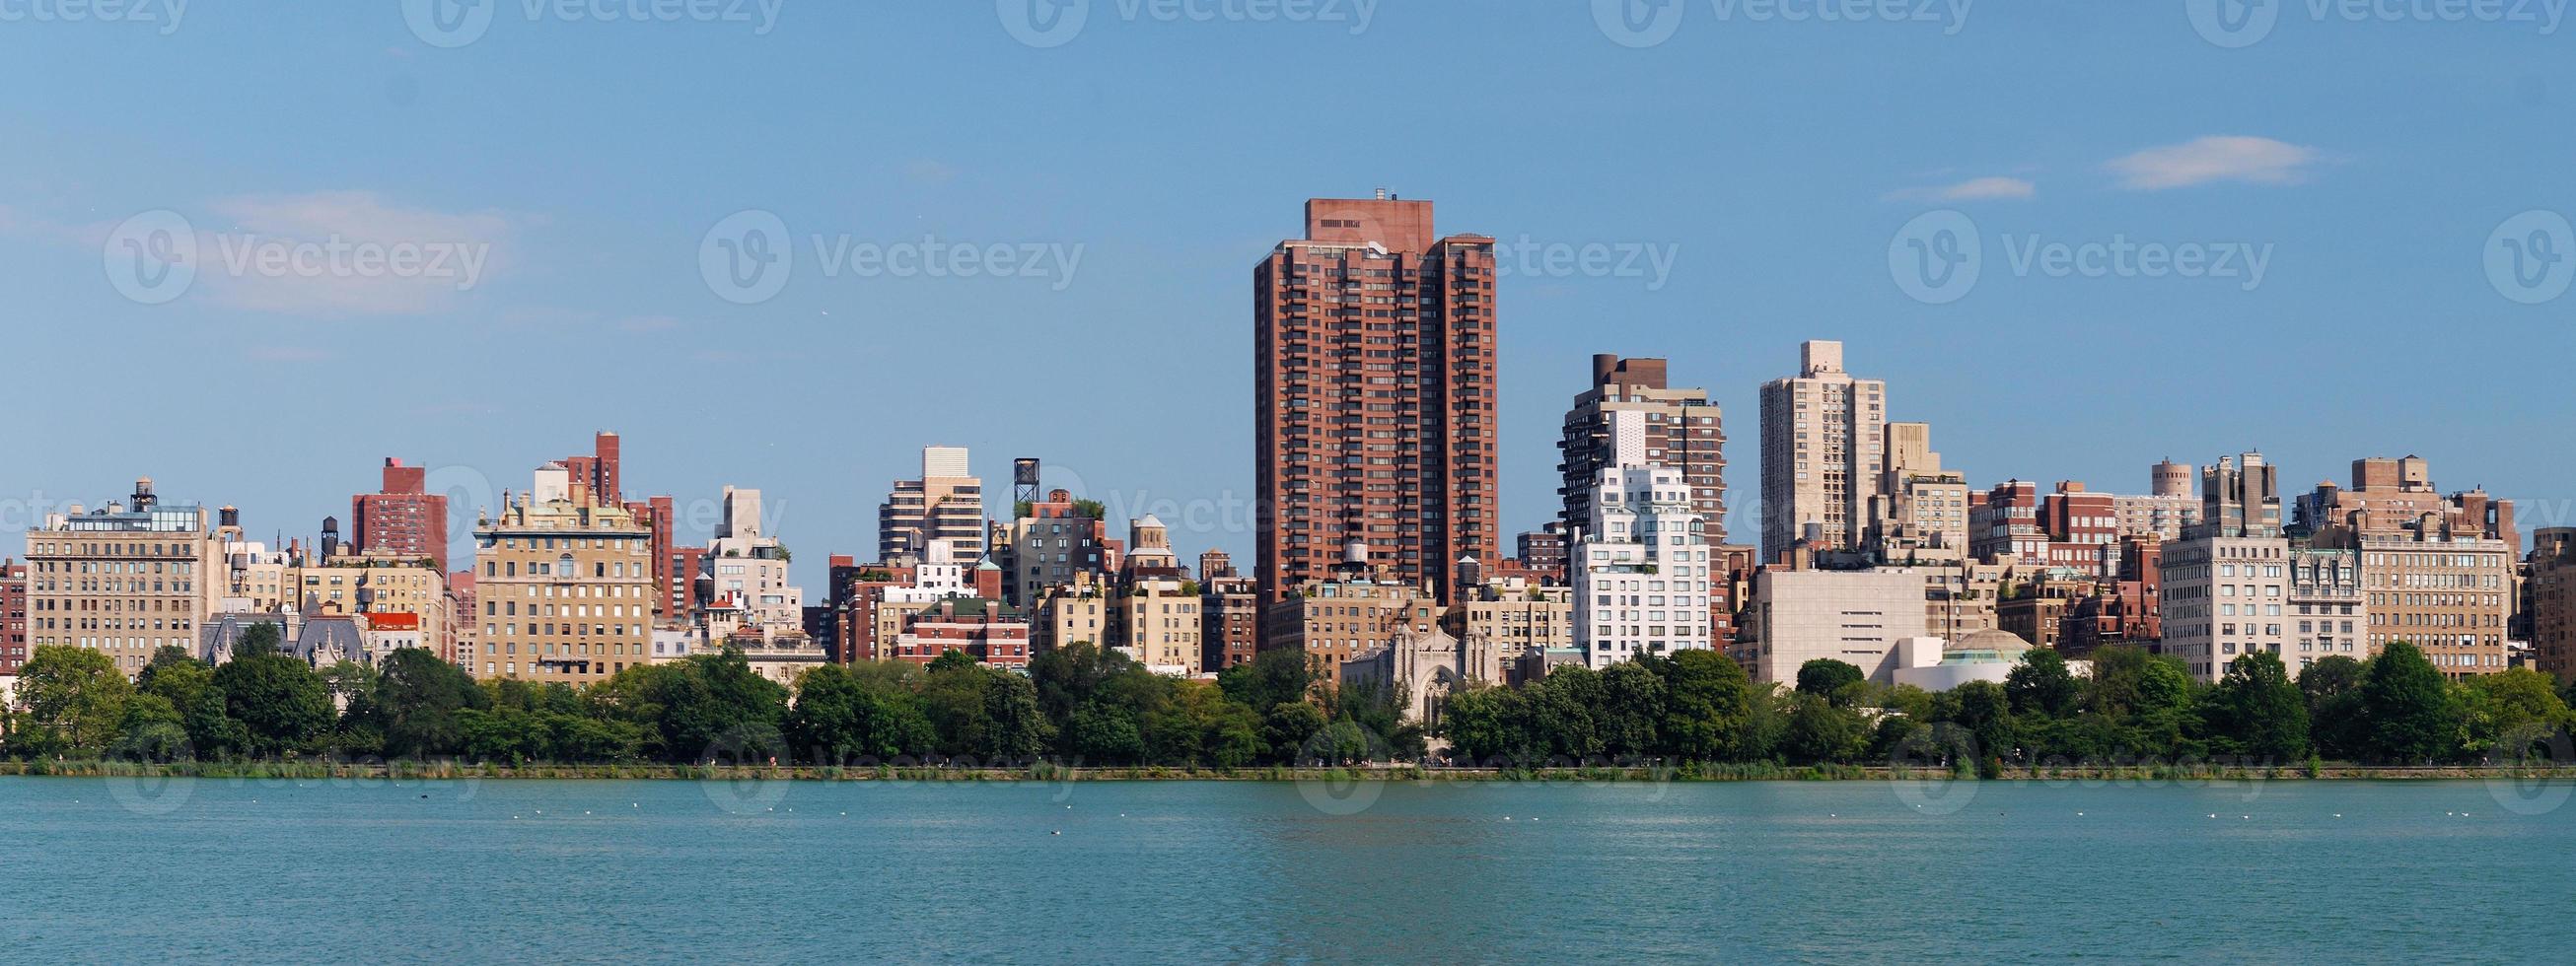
[1229,621]
[402,519]
[2553,602]
[1630,417]
[1374,397]
[600,471]
[1822,436]
[13,616]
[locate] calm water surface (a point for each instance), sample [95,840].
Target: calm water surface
[566,871]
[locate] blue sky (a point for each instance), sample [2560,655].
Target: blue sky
[1771,165]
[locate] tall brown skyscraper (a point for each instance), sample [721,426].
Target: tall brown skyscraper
[1373,395]
[1630,417]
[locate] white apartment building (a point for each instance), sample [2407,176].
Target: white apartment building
[1641,568]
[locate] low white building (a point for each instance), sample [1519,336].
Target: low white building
[1641,568]
[1854,616]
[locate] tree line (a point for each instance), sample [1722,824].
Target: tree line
[1085,705]
[1076,705]
[2134,708]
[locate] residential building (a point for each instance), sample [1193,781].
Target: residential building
[1543,551]
[2168,508]
[1229,622]
[1920,515]
[1156,610]
[1334,620]
[13,617]
[402,519]
[2553,602]
[945,505]
[750,567]
[1074,613]
[2329,606]
[1054,540]
[1374,394]
[565,584]
[1856,616]
[1515,616]
[1641,562]
[1630,417]
[1823,433]
[986,629]
[124,580]
[2225,590]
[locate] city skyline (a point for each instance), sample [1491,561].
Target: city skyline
[1768,237]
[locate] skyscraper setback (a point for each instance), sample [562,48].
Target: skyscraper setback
[1630,417]
[1373,389]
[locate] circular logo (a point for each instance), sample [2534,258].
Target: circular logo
[1637,24]
[1923,767]
[1043,23]
[152,257]
[745,754]
[746,258]
[153,796]
[468,492]
[448,23]
[2532,257]
[1935,258]
[2233,23]
[1343,793]
[2531,746]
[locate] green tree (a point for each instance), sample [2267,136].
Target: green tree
[1483,726]
[2257,712]
[283,705]
[1274,676]
[2336,725]
[2411,714]
[710,708]
[1633,695]
[1825,677]
[1016,728]
[2039,685]
[1986,712]
[1288,726]
[841,717]
[1818,731]
[2517,705]
[955,700]
[151,730]
[75,697]
[1708,707]
[420,699]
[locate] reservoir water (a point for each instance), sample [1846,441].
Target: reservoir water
[107,870]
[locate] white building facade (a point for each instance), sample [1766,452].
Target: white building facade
[1641,568]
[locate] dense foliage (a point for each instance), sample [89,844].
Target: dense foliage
[2134,708]
[1077,705]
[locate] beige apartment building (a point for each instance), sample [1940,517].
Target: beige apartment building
[1920,514]
[1336,620]
[946,505]
[1823,441]
[124,580]
[565,585]
[1512,617]
[2225,597]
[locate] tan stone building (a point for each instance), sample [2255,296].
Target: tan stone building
[1514,617]
[1333,621]
[1920,514]
[124,580]
[565,585]
[1823,440]
[2553,602]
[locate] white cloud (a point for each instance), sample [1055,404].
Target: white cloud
[1973,189]
[2248,159]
